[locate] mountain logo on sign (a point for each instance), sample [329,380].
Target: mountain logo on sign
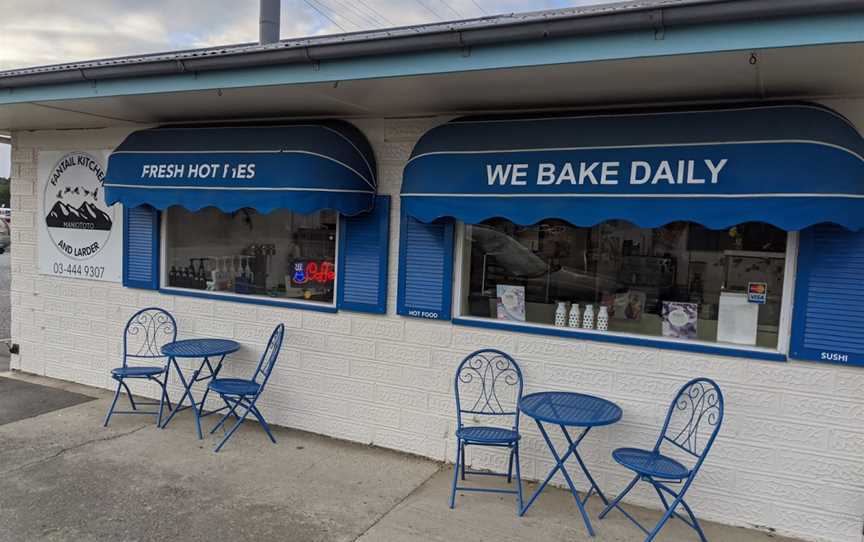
[76,217]
[86,217]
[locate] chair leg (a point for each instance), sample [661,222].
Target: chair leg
[129,393]
[455,473]
[620,496]
[113,404]
[231,431]
[164,384]
[696,526]
[257,414]
[463,461]
[518,479]
[664,519]
[231,409]
[162,398]
[510,466]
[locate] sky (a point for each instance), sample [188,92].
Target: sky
[41,32]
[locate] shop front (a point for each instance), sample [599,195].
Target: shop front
[211,213]
[691,230]
[533,184]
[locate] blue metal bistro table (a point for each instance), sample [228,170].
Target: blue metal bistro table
[197,348]
[566,409]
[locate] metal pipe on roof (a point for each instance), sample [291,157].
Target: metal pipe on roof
[268,21]
[643,15]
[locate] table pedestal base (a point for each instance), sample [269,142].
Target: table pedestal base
[187,385]
[559,465]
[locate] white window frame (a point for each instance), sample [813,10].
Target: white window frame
[232,296]
[784,329]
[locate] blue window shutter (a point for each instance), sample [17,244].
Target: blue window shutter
[363,256]
[425,268]
[141,247]
[828,321]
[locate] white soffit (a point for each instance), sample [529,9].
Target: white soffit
[819,72]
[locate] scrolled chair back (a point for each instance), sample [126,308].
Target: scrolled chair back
[488,383]
[271,354]
[694,418]
[146,332]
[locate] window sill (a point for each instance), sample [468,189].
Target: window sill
[666,344]
[319,307]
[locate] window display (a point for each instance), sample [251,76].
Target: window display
[681,281]
[282,255]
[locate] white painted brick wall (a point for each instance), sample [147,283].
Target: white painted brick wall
[789,456]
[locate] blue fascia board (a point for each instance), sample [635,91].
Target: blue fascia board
[250,300]
[696,39]
[699,348]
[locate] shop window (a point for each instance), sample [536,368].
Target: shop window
[680,282]
[279,255]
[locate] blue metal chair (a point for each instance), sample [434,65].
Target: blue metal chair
[488,384]
[243,394]
[143,337]
[691,425]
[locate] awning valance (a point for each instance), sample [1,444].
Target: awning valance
[303,167]
[788,165]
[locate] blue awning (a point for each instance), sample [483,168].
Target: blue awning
[788,165]
[304,167]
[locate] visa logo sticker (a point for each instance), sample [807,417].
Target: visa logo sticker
[757,292]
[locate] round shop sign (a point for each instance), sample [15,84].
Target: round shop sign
[77,219]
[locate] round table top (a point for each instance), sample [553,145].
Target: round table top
[570,409]
[200,348]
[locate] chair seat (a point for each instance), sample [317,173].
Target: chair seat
[650,463]
[234,386]
[140,372]
[497,435]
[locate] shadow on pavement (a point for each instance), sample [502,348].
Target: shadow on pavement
[19,400]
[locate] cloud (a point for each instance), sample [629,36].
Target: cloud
[41,32]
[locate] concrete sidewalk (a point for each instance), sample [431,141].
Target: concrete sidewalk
[64,477]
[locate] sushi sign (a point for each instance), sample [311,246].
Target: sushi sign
[79,235]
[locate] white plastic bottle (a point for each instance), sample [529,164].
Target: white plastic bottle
[603,319]
[588,317]
[575,317]
[561,314]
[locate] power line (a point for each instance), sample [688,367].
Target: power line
[478,6]
[376,12]
[451,8]
[360,15]
[336,10]
[429,9]
[313,6]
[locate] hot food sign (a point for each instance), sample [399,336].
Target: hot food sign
[80,236]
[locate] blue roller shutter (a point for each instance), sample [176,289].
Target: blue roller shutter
[141,247]
[828,324]
[363,256]
[425,268]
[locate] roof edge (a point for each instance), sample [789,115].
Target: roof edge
[535,26]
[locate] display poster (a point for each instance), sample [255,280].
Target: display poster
[79,235]
[511,302]
[680,319]
[737,319]
[627,305]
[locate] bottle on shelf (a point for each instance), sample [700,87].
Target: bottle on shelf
[603,318]
[561,314]
[588,317]
[575,318]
